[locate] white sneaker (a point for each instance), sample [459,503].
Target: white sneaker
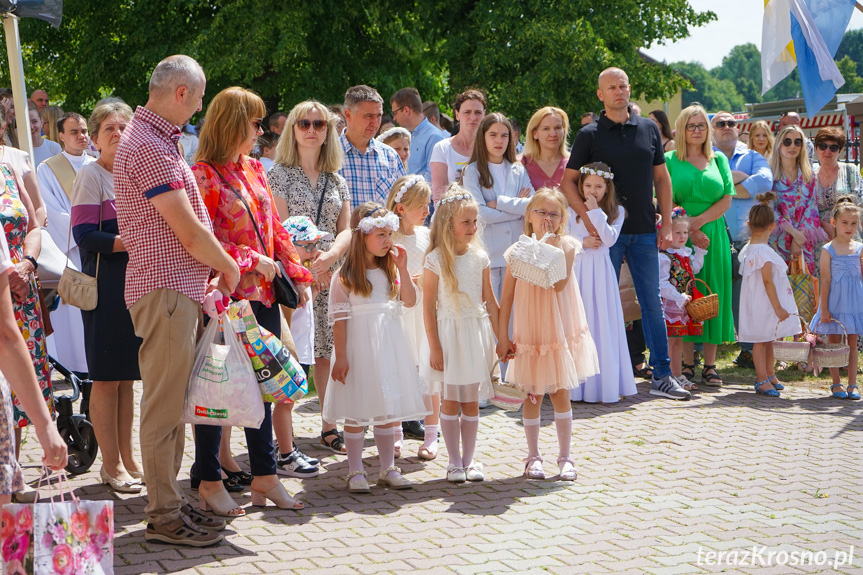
[455,474]
[483,403]
[473,472]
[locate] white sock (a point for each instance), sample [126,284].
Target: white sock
[398,435]
[449,426]
[563,423]
[384,439]
[354,447]
[469,428]
[430,437]
[531,434]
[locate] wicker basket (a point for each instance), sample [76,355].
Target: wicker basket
[791,351]
[832,354]
[507,397]
[703,308]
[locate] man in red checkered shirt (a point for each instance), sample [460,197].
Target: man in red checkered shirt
[172,250]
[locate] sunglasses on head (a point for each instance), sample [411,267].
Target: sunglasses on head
[724,123]
[823,146]
[318,125]
[787,142]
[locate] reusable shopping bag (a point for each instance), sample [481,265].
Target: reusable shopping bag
[222,389]
[805,288]
[65,537]
[280,376]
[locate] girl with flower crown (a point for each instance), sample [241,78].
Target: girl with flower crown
[409,199]
[374,379]
[677,268]
[461,321]
[597,281]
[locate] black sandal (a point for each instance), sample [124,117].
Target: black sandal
[241,476]
[711,379]
[337,445]
[688,371]
[644,373]
[232,485]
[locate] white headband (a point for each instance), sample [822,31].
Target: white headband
[412,181]
[600,173]
[369,223]
[456,198]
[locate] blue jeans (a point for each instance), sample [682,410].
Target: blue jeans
[642,256]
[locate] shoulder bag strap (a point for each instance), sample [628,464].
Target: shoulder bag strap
[242,199]
[321,201]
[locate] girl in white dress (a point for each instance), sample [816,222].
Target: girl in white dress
[409,199]
[599,289]
[373,364]
[766,297]
[461,315]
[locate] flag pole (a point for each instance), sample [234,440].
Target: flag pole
[19,90]
[859,6]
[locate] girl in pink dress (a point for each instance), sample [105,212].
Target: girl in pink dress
[552,347]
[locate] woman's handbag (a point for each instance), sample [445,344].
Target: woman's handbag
[283,286]
[628,299]
[223,389]
[537,262]
[805,288]
[75,287]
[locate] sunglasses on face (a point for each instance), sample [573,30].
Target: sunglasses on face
[724,123]
[823,146]
[257,123]
[788,142]
[318,125]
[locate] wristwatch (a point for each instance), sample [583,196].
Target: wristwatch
[33,261]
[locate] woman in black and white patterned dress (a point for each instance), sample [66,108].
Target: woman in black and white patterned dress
[305,183]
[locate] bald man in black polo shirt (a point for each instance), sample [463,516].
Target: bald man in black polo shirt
[632,147]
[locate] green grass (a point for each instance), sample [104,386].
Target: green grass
[729,371]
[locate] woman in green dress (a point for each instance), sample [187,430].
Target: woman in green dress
[702,185]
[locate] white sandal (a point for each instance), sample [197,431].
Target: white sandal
[357,483]
[394,479]
[567,469]
[532,471]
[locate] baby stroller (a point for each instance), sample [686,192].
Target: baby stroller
[76,429]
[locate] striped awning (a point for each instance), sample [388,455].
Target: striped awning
[819,121]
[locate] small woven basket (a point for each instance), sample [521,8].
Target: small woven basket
[506,397]
[703,308]
[791,351]
[832,354]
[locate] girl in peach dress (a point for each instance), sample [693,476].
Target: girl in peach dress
[552,347]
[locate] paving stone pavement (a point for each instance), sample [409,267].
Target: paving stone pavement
[663,488]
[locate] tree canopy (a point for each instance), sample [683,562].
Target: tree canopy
[524,53]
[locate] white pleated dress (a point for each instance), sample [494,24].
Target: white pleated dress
[464,331]
[416,246]
[601,296]
[758,322]
[382,385]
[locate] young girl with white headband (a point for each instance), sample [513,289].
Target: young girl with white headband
[409,200]
[461,315]
[374,379]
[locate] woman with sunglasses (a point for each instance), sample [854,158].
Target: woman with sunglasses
[798,226]
[305,183]
[703,186]
[833,179]
[235,190]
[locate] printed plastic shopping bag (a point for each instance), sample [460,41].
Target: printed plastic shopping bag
[222,389]
[63,537]
[280,376]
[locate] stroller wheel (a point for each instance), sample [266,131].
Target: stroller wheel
[81,443]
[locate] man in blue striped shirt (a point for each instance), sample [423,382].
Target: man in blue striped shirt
[370,168]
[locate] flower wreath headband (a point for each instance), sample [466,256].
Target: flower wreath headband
[369,223]
[600,173]
[456,198]
[412,181]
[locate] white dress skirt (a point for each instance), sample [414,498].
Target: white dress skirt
[464,331]
[601,296]
[382,385]
[758,322]
[416,246]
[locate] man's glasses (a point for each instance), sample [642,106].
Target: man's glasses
[724,123]
[787,142]
[823,146]
[318,125]
[397,110]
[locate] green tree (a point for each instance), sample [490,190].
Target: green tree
[525,53]
[852,46]
[742,67]
[853,82]
[712,93]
